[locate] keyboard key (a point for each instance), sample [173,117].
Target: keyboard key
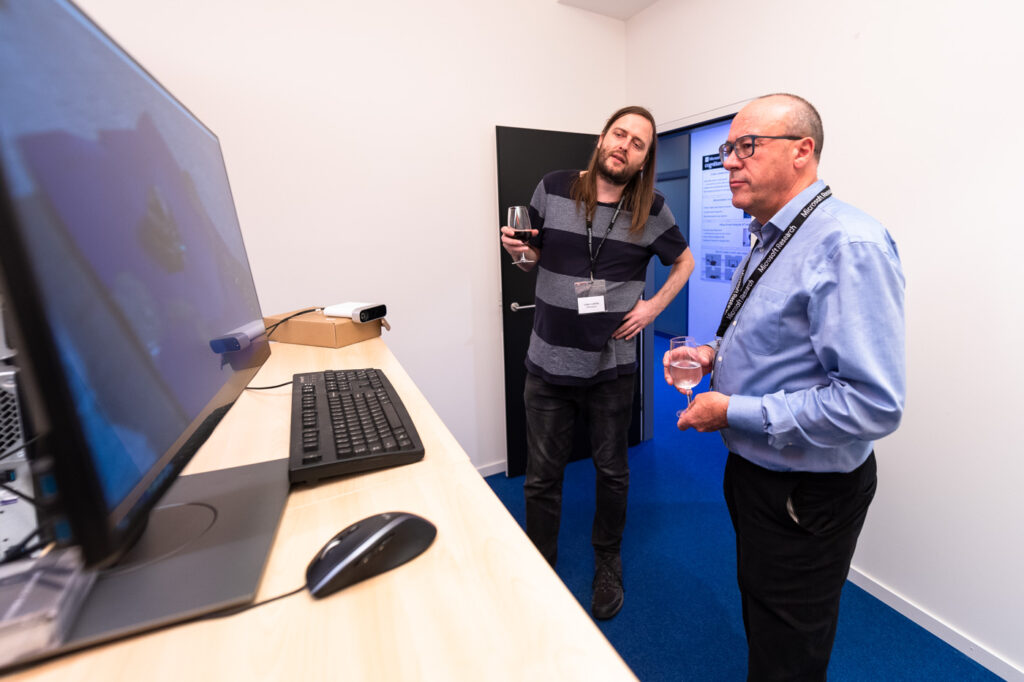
[392,415]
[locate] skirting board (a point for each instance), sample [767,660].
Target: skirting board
[492,468]
[943,631]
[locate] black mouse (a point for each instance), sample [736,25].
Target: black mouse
[366,548]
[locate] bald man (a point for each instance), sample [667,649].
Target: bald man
[807,371]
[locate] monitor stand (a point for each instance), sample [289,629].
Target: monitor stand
[204,550]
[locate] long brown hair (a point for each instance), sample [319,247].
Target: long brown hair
[638,195]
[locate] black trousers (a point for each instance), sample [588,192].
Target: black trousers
[551,414]
[795,537]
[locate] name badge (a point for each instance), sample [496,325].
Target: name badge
[590,296]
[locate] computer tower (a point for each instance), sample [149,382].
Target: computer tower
[18,518]
[6,353]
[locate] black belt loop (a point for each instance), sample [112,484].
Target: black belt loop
[742,290]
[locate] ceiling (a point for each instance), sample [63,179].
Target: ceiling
[617,9]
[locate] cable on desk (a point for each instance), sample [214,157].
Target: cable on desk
[246,607]
[18,493]
[19,448]
[273,327]
[22,549]
[264,388]
[270,330]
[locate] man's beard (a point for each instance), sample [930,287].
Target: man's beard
[620,177]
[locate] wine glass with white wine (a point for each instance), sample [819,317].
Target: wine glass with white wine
[684,365]
[519,221]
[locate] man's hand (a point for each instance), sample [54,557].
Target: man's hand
[706,355]
[513,246]
[706,413]
[642,314]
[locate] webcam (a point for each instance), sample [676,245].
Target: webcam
[358,312]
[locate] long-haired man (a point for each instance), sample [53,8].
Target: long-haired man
[595,232]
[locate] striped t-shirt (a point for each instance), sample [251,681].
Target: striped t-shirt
[568,348]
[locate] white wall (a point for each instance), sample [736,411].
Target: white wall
[922,110]
[359,139]
[352,128]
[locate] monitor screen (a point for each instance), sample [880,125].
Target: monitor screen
[137,321]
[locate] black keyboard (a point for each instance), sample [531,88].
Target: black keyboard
[347,421]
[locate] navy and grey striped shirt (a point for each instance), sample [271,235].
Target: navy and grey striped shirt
[567,348]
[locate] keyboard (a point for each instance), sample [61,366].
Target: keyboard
[347,421]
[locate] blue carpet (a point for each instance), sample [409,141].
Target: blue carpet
[681,619]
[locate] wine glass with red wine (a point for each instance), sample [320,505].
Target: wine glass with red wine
[519,221]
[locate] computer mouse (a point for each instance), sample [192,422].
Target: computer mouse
[367,548]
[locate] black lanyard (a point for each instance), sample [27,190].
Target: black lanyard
[590,239]
[742,290]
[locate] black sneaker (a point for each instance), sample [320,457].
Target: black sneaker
[608,591]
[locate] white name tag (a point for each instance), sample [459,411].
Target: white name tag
[590,296]
[590,304]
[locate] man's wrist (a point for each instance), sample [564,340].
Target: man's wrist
[744,414]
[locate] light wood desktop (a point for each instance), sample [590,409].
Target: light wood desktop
[479,604]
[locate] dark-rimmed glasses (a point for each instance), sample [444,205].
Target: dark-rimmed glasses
[744,145]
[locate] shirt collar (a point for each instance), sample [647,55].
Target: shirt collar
[767,233]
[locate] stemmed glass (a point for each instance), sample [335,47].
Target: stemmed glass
[684,365]
[519,221]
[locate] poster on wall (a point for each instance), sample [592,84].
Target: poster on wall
[719,237]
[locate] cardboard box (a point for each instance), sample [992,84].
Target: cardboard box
[316,329]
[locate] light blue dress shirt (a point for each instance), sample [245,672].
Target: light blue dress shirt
[814,363]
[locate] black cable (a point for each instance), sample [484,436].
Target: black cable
[22,549]
[270,330]
[273,327]
[264,388]
[19,448]
[246,607]
[11,557]
[18,493]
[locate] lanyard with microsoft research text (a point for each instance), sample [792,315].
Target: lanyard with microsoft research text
[743,289]
[590,238]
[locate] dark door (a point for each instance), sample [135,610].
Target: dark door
[524,157]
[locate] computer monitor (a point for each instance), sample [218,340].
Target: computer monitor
[130,302]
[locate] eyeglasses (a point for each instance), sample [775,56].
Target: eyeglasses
[744,146]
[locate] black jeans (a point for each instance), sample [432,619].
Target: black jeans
[551,414]
[791,571]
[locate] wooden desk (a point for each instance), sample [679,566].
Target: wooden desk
[479,604]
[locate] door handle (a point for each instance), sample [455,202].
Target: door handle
[516,307]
